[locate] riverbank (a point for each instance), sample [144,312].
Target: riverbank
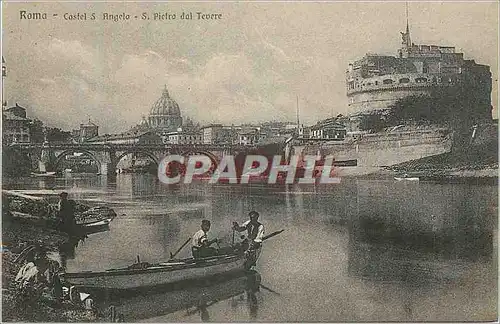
[19,231]
[477,164]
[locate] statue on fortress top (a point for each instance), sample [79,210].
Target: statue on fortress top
[406,37]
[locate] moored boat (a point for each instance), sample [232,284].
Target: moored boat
[43,174]
[95,217]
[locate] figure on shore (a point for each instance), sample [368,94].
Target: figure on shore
[38,277]
[255,234]
[200,244]
[66,209]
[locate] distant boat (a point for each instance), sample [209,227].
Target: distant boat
[43,174]
[406,178]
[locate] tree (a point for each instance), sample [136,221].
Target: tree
[36,131]
[454,106]
[457,107]
[411,108]
[375,122]
[55,134]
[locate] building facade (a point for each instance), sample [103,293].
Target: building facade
[15,125]
[183,137]
[377,81]
[85,132]
[328,129]
[220,134]
[210,133]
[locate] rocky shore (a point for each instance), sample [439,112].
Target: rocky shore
[475,164]
[30,222]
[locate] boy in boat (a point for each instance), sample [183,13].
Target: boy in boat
[255,234]
[200,243]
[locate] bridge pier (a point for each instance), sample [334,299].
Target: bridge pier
[44,163]
[104,168]
[107,163]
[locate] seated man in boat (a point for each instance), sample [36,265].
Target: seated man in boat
[200,243]
[255,234]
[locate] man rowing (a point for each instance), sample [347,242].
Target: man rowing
[200,244]
[255,235]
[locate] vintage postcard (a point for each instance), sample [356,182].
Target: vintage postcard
[250,161]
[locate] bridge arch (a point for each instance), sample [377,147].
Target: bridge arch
[211,156]
[150,155]
[63,154]
[121,155]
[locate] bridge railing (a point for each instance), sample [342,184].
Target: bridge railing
[88,146]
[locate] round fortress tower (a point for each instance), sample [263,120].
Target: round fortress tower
[377,81]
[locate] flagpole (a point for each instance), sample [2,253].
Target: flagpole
[298,123]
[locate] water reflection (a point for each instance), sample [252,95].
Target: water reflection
[357,251]
[192,300]
[67,250]
[424,219]
[421,239]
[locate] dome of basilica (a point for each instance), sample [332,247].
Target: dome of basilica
[165,113]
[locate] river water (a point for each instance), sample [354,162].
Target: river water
[361,250]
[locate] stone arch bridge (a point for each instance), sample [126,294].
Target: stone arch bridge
[48,157]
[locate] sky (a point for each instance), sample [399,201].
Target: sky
[249,66]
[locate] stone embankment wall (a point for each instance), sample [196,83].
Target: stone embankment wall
[384,149]
[485,134]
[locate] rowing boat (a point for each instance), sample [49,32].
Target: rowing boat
[144,275]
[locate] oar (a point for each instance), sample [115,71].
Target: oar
[197,308]
[269,289]
[179,250]
[272,234]
[24,253]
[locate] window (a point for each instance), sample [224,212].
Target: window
[404,80]
[423,80]
[388,81]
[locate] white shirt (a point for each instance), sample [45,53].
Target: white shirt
[198,238]
[260,231]
[27,274]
